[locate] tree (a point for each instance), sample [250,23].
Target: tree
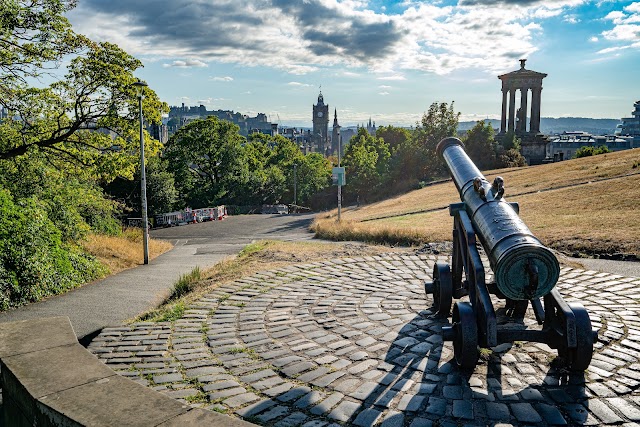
[481,146]
[88,115]
[208,162]
[394,136]
[415,159]
[313,175]
[366,160]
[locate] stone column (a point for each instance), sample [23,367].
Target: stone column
[503,117]
[512,110]
[535,109]
[524,95]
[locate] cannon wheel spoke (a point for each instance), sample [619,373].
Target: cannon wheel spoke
[578,359]
[465,342]
[442,289]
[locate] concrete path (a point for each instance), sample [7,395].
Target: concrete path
[117,298]
[353,342]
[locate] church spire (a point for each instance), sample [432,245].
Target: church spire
[335,118]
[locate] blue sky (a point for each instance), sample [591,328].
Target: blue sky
[388,60]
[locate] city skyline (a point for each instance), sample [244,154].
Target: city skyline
[380,59]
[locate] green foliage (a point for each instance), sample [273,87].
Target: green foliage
[185,284]
[35,262]
[415,159]
[510,141]
[587,151]
[512,158]
[366,160]
[394,136]
[481,146]
[161,190]
[208,162]
[72,202]
[212,164]
[90,89]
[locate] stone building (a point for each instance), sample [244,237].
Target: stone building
[631,125]
[514,118]
[564,146]
[335,135]
[321,126]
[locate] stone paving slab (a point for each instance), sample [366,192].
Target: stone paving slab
[353,341]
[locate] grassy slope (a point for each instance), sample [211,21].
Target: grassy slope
[589,205]
[122,252]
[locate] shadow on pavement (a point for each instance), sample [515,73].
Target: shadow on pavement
[431,385]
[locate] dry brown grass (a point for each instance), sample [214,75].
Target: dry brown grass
[574,206]
[122,252]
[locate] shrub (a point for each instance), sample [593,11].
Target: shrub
[35,262]
[591,151]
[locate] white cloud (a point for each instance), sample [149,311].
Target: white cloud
[393,77]
[571,19]
[302,37]
[383,93]
[298,84]
[384,87]
[222,79]
[189,63]
[633,7]
[593,39]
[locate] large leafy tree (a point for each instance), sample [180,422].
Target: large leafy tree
[415,159]
[481,145]
[87,115]
[366,160]
[208,162]
[394,136]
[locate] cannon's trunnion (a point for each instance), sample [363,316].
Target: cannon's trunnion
[525,272]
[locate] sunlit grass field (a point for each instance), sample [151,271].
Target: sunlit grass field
[589,205]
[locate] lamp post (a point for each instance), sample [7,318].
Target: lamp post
[295,185]
[339,181]
[140,85]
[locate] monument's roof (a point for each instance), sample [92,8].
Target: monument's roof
[522,73]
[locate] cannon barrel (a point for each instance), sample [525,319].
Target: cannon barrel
[523,267]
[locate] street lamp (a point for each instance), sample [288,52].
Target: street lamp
[339,181]
[140,85]
[295,185]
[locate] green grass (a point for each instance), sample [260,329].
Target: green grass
[172,308]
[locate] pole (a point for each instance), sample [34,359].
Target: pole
[295,185]
[339,182]
[143,179]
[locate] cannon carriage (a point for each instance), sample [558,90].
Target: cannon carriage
[525,273]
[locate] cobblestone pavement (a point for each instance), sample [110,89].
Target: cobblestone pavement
[352,342]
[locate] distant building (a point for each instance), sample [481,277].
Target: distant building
[631,125]
[159,132]
[564,146]
[321,126]
[336,136]
[301,137]
[181,115]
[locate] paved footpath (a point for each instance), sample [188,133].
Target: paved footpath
[352,341]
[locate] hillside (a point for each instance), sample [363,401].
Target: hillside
[550,125]
[589,205]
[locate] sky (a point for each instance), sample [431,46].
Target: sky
[385,60]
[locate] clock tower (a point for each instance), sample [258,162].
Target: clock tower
[321,125]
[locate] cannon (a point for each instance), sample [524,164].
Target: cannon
[524,271]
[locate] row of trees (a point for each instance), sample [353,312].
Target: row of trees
[207,162]
[396,159]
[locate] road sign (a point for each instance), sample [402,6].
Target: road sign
[338,176]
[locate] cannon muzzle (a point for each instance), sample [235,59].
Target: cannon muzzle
[524,268]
